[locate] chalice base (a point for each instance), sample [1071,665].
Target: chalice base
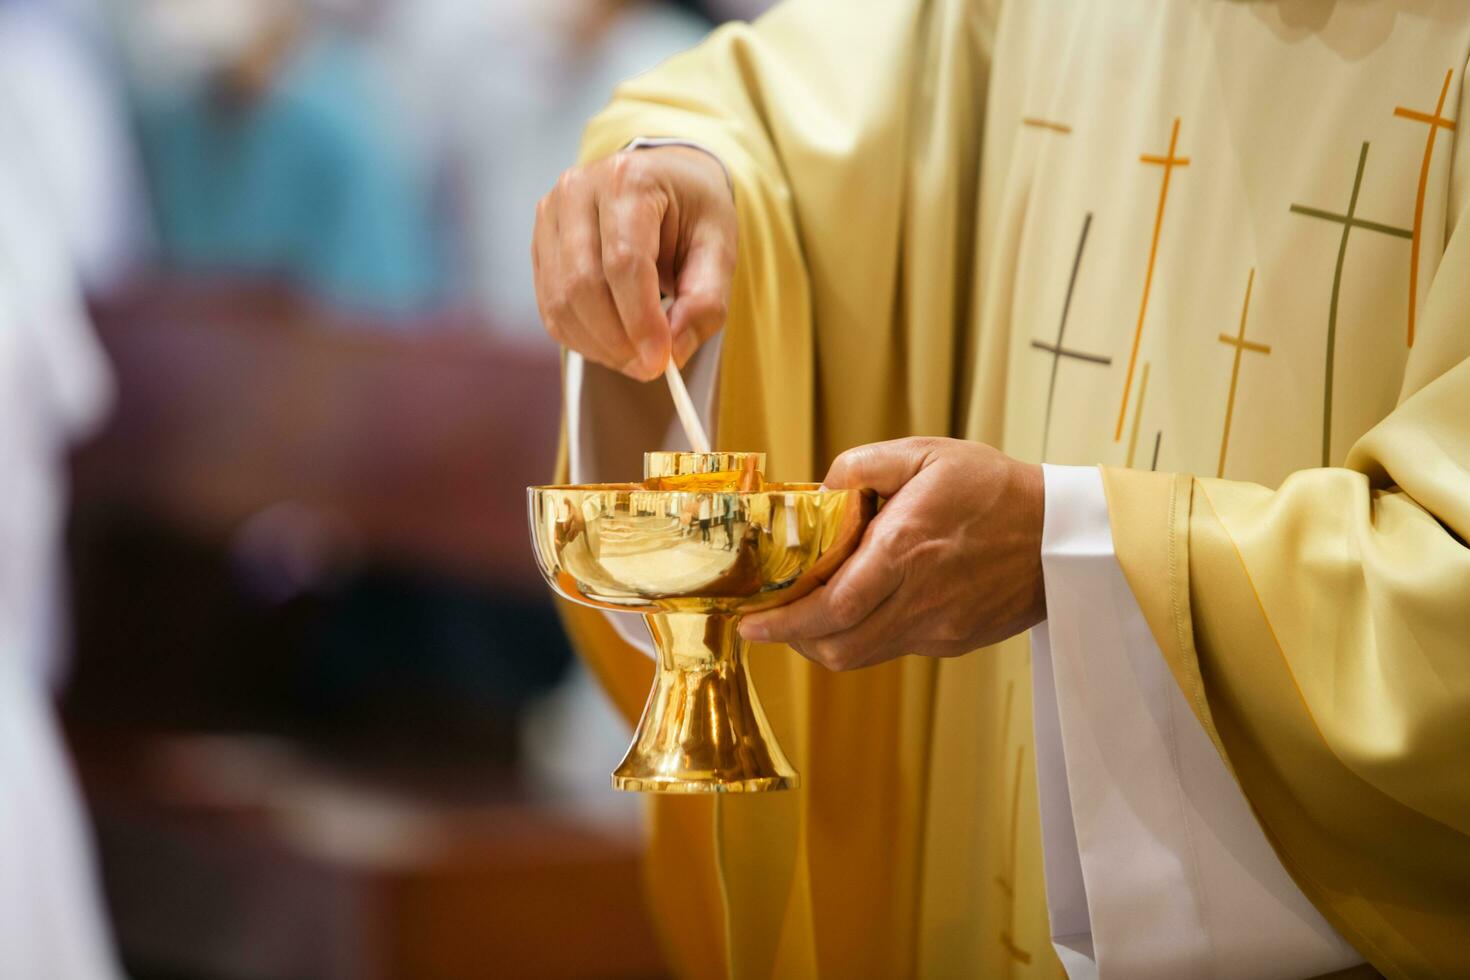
[702,730]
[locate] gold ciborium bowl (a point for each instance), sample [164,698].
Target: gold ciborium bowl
[692,552]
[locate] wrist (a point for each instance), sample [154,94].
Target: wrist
[1032,492]
[686,147]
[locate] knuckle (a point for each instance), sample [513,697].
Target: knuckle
[845,470]
[568,181]
[921,445]
[629,171]
[894,538]
[558,310]
[950,633]
[620,258]
[584,284]
[846,658]
[868,459]
[845,607]
[849,459]
[830,655]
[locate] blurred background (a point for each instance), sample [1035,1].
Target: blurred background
[320,704]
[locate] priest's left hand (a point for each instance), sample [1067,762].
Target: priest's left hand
[950,564]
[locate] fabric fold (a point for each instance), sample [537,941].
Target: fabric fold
[1320,632]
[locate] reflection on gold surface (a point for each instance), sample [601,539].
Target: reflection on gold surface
[704,471]
[701,542]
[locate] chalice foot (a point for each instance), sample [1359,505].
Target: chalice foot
[703,730]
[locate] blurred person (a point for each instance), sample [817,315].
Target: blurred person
[498,93]
[55,58]
[1235,743]
[59,216]
[273,151]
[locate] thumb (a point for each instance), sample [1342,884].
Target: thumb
[703,297]
[881,466]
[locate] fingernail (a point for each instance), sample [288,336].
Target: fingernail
[755,632]
[684,345]
[655,355]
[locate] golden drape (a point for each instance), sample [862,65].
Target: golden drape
[1321,633]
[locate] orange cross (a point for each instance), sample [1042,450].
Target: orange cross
[1169,161]
[1056,127]
[1436,122]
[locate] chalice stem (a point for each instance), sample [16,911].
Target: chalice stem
[703,730]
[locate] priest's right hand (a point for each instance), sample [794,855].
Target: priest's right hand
[614,234]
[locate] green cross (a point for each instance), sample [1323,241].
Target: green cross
[1057,351]
[1348,221]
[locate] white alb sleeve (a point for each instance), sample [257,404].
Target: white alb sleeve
[1155,866]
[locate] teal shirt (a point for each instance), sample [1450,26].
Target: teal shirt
[308,185]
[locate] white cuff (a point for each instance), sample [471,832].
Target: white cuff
[1155,866]
[650,142]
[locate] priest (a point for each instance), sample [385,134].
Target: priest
[1152,324]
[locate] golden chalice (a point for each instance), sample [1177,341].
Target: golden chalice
[702,541]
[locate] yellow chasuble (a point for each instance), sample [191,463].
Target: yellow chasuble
[1199,237]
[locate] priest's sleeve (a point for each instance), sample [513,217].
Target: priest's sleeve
[1155,866]
[1321,635]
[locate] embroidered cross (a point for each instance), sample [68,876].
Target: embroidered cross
[1168,161]
[1057,351]
[1055,127]
[1137,417]
[1436,122]
[1349,221]
[1241,345]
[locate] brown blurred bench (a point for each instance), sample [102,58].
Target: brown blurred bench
[230,857]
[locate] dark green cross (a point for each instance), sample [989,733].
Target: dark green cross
[1057,351]
[1348,221]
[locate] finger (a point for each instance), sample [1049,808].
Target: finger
[703,296]
[598,328]
[555,316]
[630,216]
[875,640]
[552,295]
[881,466]
[860,585]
